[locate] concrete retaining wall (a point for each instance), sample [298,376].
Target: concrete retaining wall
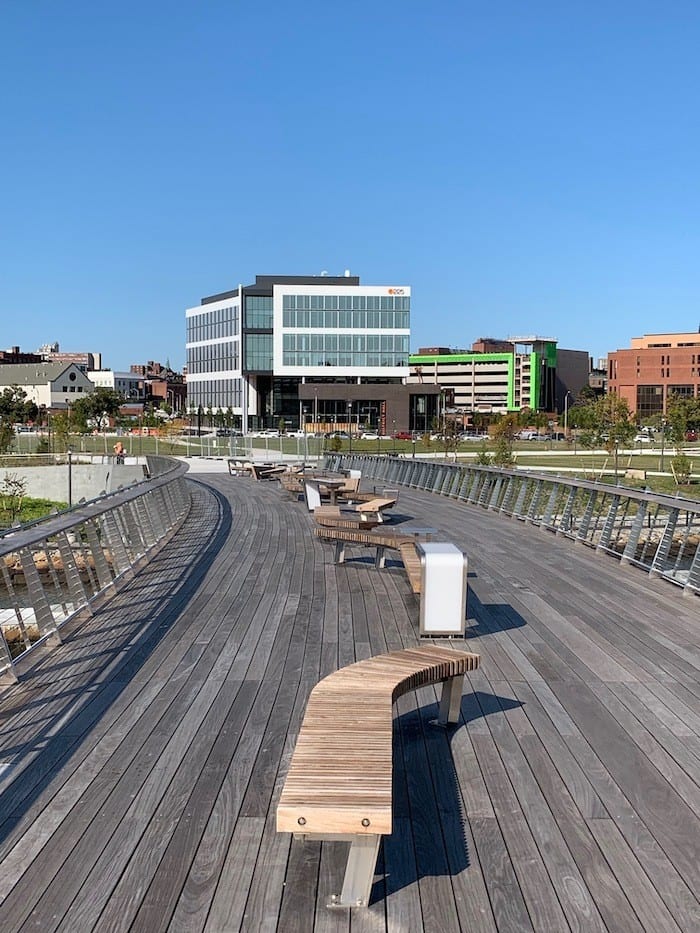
[88,480]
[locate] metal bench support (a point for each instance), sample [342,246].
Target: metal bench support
[451,700]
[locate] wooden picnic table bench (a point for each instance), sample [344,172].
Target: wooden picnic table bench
[339,783]
[359,534]
[238,466]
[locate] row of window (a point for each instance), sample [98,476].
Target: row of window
[355,320]
[678,359]
[352,343]
[221,322]
[71,389]
[212,357]
[215,393]
[364,360]
[258,352]
[345,303]
[258,311]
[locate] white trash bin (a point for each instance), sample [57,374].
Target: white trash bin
[443,604]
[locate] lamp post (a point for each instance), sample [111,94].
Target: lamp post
[566,413]
[663,442]
[350,429]
[70,477]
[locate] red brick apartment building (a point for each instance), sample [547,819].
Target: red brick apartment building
[654,368]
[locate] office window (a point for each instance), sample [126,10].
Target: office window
[258,352]
[258,311]
[650,400]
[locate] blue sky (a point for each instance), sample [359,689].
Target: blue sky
[527,167]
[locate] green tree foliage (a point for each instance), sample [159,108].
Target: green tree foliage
[61,425]
[92,407]
[607,422]
[15,408]
[483,457]
[528,417]
[7,436]
[682,415]
[504,432]
[12,493]
[682,467]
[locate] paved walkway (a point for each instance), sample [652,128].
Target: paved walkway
[143,759]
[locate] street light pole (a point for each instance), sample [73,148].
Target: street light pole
[70,477]
[663,439]
[350,429]
[566,414]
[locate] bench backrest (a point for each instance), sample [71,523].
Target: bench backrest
[340,777]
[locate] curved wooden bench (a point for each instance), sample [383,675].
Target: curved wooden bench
[339,784]
[411,561]
[358,533]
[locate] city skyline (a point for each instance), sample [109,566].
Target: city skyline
[521,174]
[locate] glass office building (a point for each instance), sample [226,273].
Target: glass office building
[250,350]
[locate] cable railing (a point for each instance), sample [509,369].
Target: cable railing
[659,534]
[53,569]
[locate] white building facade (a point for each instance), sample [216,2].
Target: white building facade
[130,385]
[54,386]
[250,350]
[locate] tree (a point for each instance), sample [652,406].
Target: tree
[682,414]
[12,492]
[504,434]
[587,394]
[61,423]
[15,408]
[607,422]
[450,437]
[681,466]
[7,435]
[93,407]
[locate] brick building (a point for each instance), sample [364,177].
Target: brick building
[655,367]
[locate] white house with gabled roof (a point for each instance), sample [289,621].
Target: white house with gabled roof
[54,386]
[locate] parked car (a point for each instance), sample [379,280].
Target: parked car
[402,436]
[642,439]
[691,435]
[369,436]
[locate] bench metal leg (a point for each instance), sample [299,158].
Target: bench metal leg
[451,700]
[359,873]
[340,552]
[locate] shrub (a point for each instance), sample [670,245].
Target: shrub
[682,467]
[483,457]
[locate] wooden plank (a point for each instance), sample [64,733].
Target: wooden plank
[648,906]
[111,736]
[661,808]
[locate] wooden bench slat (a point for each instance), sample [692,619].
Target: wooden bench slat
[341,771]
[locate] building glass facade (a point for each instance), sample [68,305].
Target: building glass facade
[262,341]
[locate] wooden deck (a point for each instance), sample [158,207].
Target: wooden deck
[141,762]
